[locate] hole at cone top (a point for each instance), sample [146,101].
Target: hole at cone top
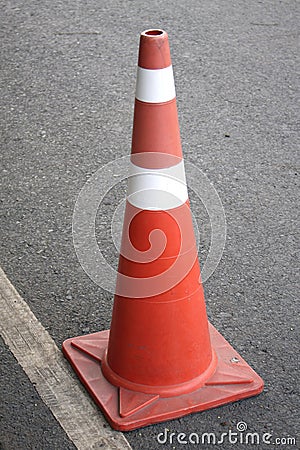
[154,32]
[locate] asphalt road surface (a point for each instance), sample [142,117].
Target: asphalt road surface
[67,92]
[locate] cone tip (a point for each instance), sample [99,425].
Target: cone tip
[154,49]
[153,33]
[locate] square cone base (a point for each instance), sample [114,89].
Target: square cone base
[127,410]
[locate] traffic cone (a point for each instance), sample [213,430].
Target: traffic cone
[161,358]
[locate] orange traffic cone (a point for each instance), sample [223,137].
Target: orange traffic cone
[161,358]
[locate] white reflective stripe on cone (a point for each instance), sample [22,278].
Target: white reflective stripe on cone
[155,85]
[157,189]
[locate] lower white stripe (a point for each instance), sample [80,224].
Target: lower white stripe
[46,367]
[157,189]
[155,86]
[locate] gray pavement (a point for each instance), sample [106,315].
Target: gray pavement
[67,90]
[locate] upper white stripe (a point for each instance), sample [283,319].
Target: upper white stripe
[157,189]
[155,86]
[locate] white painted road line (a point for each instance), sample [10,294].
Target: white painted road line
[45,366]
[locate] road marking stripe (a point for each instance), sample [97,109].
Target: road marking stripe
[47,369]
[155,85]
